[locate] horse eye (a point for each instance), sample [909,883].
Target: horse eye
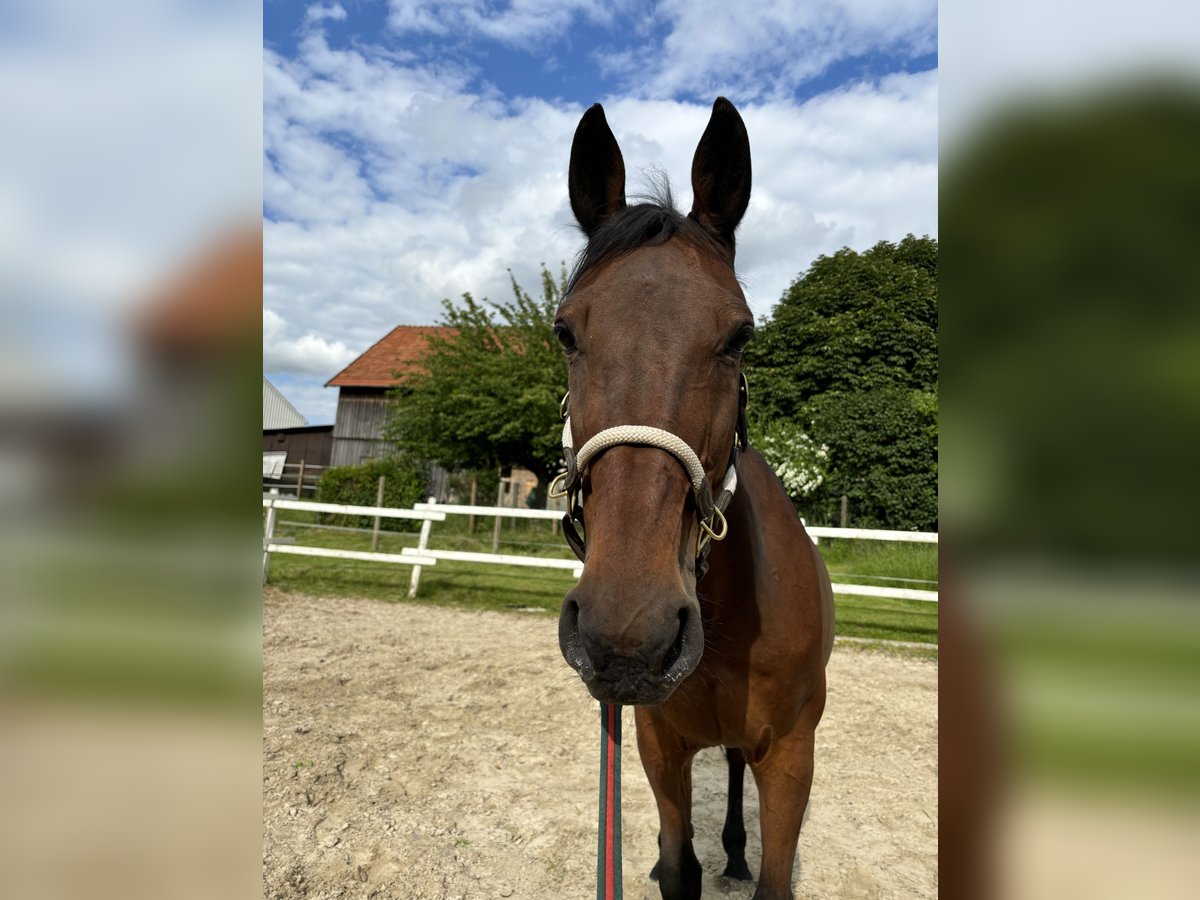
[563,333]
[739,340]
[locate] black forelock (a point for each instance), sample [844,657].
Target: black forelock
[649,223]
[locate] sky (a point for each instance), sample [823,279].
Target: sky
[416,150]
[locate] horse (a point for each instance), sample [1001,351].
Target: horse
[715,642]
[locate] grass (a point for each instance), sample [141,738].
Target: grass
[474,586]
[890,564]
[881,562]
[449,583]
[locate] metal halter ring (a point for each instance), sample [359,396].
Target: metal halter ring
[707,532]
[550,491]
[564,407]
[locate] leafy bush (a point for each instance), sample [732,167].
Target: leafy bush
[798,461]
[404,484]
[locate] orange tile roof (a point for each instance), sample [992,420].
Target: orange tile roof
[398,351]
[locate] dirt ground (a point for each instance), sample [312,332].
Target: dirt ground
[418,752]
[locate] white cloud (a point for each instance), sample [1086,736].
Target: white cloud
[714,47]
[391,187]
[317,13]
[695,48]
[517,23]
[309,354]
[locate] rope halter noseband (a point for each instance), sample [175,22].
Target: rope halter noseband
[711,511]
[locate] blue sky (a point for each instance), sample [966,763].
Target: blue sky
[415,150]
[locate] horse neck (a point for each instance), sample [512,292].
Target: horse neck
[741,549]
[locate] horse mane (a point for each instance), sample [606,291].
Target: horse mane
[651,222]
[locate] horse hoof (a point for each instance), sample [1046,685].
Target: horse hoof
[738,870]
[654,871]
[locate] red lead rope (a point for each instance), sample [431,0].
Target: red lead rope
[608,851]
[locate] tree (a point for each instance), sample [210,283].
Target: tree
[850,355]
[489,394]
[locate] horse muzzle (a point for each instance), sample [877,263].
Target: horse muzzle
[633,660]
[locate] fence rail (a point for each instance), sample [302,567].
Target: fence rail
[890,593]
[430,512]
[872,534]
[423,511]
[500,559]
[271,545]
[293,478]
[521,512]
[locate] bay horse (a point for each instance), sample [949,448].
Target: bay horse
[715,642]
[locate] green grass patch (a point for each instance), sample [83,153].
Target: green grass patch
[475,586]
[895,563]
[467,585]
[887,620]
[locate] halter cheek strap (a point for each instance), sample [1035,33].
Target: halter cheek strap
[711,511]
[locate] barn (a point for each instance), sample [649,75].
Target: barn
[288,438]
[363,387]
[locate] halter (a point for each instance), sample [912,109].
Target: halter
[710,511]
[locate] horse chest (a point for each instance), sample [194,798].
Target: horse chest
[721,705]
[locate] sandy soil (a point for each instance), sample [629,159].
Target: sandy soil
[416,752]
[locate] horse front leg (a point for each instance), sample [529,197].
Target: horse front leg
[733,835]
[784,776]
[668,765]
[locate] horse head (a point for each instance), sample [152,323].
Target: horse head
[653,325]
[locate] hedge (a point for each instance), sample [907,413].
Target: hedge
[404,484]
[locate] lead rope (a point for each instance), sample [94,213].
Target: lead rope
[608,845]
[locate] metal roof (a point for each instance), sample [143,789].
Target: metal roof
[277,411]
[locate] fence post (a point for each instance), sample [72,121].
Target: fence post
[378,503]
[268,534]
[845,518]
[474,491]
[514,491]
[499,505]
[422,544]
[300,482]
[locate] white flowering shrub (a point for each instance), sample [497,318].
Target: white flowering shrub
[797,459]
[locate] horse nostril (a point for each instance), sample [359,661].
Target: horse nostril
[675,651]
[570,642]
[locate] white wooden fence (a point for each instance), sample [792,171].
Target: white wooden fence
[271,544]
[428,513]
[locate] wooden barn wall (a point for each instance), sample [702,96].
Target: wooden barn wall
[362,414]
[312,446]
[358,427]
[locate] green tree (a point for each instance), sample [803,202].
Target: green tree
[850,354]
[489,393]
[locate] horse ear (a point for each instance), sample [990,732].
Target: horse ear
[721,172]
[596,182]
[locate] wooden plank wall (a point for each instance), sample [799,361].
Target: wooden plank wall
[358,428]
